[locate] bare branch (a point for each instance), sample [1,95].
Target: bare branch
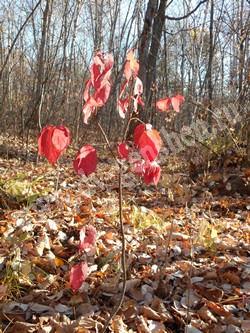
[187,15]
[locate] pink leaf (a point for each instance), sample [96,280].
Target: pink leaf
[86,94]
[78,275]
[87,242]
[87,110]
[102,94]
[123,105]
[99,99]
[108,64]
[101,69]
[176,101]
[127,70]
[139,100]
[139,167]
[85,161]
[138,88]
[123,88]
[131,65]
[60,138]
[100,74]
[163,104]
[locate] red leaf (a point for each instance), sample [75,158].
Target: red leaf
[52,142]
[86,95]
[139,100]
[131,65]
[123,88]
[127,70]
[61,138]
[88,108]
[102,94]
[100,74]
[152,173]
[87,242]
[99,99]
[123,105]
[123,150]
[150,144]
[108,64]
[176,101]
[85,161]
[95,75]
[138,132]
[101,69]
[78,275]
[163,104]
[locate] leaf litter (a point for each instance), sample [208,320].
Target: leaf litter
[188,265]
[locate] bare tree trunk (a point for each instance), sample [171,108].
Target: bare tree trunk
[145,39]
[148,52]
[149,47]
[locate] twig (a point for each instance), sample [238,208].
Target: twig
[123,256]
[128,126]
[107,141]
[187,15]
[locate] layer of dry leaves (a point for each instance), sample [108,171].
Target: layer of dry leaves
[188,262]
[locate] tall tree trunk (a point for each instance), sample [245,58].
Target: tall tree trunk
[149,48]
[145,39]
[148,52]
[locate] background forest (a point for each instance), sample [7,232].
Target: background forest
[199,49]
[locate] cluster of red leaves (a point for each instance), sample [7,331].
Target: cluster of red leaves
[149,143]
[146,139]
[53,141]
[130,72]
[163,104]
[99,80]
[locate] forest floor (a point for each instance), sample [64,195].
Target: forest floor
[187,248]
